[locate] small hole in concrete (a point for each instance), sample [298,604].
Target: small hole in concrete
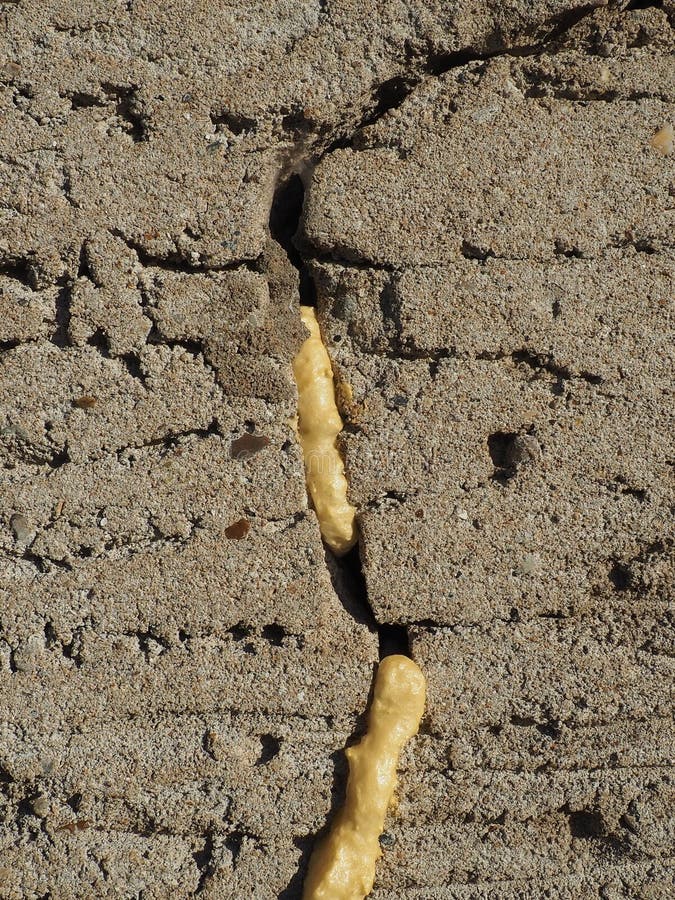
[620,576]
[586,824]
[271,746]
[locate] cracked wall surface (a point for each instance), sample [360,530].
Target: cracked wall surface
[487,232]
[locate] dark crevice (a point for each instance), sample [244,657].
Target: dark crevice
[285,219]
[43,563]
[235,123]
[58,459]
[640,494]
[469,250]
[620,576]
[82,100]
[393,639]
[644,4]
[284,223]
[61,336]
[175,262]
[391,94]
[204,861]
[99,340]
[500,448]
[236,838]
[84,268]
[270,748]
[70,650]
[433,357]
[589,825]
[146,640]
[133,366]
[285,214]
[127,108]
[346,257]
[561,24]
[297,123]
[439,63]
[18,269]
[168,441]
[395,496]
[75,802]
[540,362]
[349,583]
[193,347]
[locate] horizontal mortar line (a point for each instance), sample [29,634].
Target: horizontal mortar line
[13,344]
[201,433]
[155,783]
[633,97]
[574,727]
[548,880]
[148,785]
[159,715]
[80,826]
[223,636]
[549,773]
[119,551]
[314,255]
[175,262]
[452,629]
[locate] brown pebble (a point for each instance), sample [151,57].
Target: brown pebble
[248,445]
[663,140]
[238,530]
[74,826]
[85,402]
[21,527]
[523,449]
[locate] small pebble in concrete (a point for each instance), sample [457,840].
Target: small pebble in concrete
[24,533]
[248,445]
[238,530]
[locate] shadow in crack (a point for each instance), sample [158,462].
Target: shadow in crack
[349,583]
[284,222]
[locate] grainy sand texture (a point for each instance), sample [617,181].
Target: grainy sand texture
[478,199]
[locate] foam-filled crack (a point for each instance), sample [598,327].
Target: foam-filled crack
[342,865]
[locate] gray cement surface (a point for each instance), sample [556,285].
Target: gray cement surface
[487,232]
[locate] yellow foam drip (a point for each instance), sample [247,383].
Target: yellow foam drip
[342,866]
[319,424]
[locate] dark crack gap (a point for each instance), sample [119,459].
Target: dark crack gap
[284,223]
[349,583]
[391,94]
[346,572]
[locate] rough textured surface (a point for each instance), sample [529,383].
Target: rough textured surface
[487,229]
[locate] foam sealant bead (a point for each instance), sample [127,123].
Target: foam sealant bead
[342,866]
[319,424]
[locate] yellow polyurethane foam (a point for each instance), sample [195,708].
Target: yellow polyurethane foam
[319,424]
[342,867]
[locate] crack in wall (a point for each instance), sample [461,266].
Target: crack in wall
[392,93]
[535,362]
[346,572]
